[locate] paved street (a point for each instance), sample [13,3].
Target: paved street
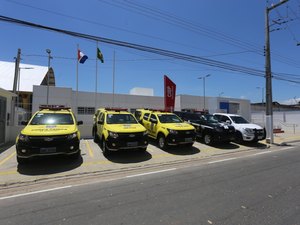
[93,161]
[257,188]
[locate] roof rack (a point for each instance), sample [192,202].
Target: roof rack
[54,107]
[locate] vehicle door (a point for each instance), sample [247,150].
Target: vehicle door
[145,121]
[153,125]
[202,125]
[100,124]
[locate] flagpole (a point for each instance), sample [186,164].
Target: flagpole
[96,78]
[76,108]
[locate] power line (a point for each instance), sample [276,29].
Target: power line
[166,53]
[172,19]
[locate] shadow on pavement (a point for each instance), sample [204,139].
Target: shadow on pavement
[182,150]
[129,156]
[225,146]
[255,145]
[49,165]
[178,150]
[6,146]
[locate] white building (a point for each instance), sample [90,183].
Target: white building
[84,104]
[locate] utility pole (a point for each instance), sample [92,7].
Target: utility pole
[269,100]
[16,77]
[48,77]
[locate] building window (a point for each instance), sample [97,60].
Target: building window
[86,110]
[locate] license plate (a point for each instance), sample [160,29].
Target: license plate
[188,139]
[132,144]
[48,150]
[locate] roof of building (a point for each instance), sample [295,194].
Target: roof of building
[29,75]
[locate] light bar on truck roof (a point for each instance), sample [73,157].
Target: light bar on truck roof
[55,107]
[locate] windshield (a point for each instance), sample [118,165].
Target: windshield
[52,119]
[238,119]
[120,119]
[210,118]
[169,118]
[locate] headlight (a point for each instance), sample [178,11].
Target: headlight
[173,131]
[23,137]
[71,136]
[113,134]
[248,130]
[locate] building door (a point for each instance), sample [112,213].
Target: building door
[2,119]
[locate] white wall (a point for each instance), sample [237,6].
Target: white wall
[289,121]
[8,127]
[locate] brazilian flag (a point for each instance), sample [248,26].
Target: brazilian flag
[100,55]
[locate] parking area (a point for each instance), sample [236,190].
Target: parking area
[92,160]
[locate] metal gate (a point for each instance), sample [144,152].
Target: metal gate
[2,119]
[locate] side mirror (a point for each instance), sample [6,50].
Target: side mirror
[79,122]
[24,123]
[100,122]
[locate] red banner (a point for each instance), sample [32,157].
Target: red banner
[170,93]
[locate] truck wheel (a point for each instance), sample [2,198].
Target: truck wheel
[96,138]
[207,139]
[239,138]
[105,151]
[162,141]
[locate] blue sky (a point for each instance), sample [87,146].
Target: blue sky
[231,31]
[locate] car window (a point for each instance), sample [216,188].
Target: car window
[169,118]
[101,118]
[138,114]
[120,119]
[146,116]
[153,118]
[222,118]
[191,116]
[52,119]
[211,118]
[238,119]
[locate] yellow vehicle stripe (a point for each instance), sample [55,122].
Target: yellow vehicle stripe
[7,158]
[91,153]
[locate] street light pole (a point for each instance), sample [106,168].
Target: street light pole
[203,78]
[49,57]
[269,100]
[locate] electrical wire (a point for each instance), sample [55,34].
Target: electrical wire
[166,53]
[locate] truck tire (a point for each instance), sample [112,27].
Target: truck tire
[207,139]
[95,136]
[105,150]
[238,137]
[162,142]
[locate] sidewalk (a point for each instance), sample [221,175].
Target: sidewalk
[286,137]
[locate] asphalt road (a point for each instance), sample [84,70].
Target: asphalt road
[259,188]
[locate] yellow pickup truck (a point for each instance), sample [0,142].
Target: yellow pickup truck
[168,129]
[51,131]
[118,130]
